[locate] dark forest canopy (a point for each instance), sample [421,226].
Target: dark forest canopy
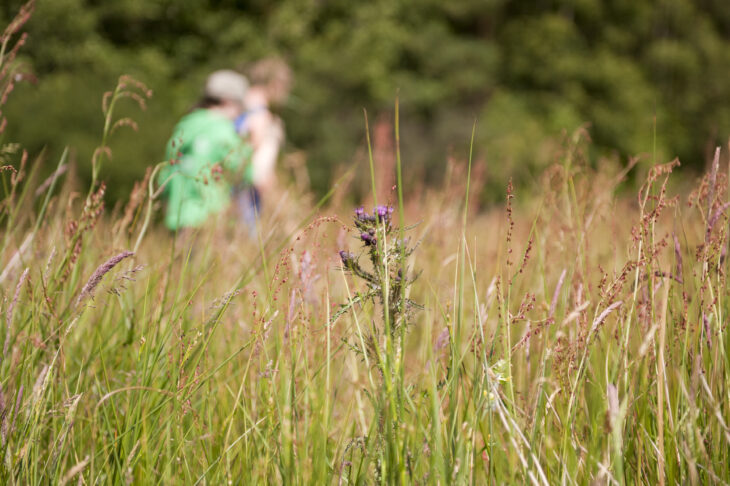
[527,71]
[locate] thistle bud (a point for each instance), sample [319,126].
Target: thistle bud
[367,238]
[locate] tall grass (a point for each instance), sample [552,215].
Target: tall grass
[572,336]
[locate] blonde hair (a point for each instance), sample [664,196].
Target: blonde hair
[274,75]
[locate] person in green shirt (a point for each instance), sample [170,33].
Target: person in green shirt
[206,154]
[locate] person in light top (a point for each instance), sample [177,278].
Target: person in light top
[270,85]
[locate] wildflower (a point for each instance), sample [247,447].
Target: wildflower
[383,212]
[346,257]
[387,265]
[362,218]
[367,238]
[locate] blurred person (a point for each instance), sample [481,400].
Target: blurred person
[205,152]
[270,85]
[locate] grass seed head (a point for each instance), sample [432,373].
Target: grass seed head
[99,273]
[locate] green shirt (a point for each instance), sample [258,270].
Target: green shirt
[206,153]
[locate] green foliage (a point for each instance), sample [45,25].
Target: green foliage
[528,71]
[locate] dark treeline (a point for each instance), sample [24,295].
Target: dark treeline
[527,71]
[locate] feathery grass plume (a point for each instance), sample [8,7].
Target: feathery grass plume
[18,401]
[17,258]
[713,183]
[678,257]
[713,219]
[39,385]
[127,469]
[706,330]
[99,273]
[11,309]
[71,405]
[51,179]
[133,208]
[9,69]
[556,293]
[79,467]
[3,419]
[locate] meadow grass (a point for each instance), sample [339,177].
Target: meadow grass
[574,335]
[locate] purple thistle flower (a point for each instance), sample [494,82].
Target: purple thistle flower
[383,212]
[367,238]
[360,213]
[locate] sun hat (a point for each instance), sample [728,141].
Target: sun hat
[226,85]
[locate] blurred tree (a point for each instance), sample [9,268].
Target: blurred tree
[526,70]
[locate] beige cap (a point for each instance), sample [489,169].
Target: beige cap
[226,85]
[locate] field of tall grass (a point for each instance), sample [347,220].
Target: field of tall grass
[575,335]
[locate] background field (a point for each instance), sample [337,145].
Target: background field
[528,71]
[574,333]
